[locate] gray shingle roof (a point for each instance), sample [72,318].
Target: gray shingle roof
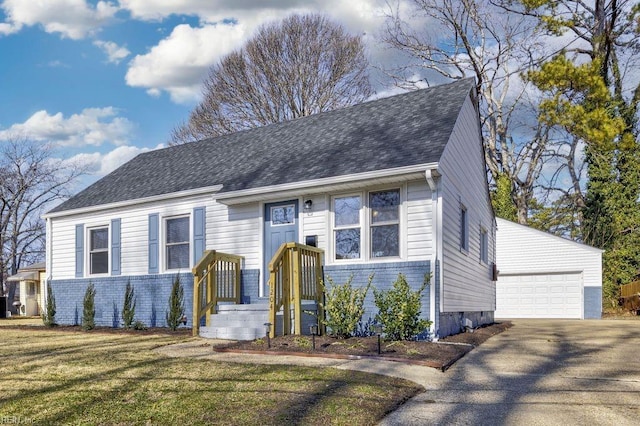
[403,130]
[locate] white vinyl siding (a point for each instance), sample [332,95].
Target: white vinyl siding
[316,222]
[419,234]
[466,283]
[134,234]
[236,230]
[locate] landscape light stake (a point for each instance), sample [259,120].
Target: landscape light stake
[267,329]
[314,331]
[377,328]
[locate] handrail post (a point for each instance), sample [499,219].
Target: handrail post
[320,293]
[297,290]
[195,320]
[286,294]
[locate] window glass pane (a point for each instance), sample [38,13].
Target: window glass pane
[178,256]
[177,230]
[283,215]
[484,246]
[384,241]
[348,244]
[99,262]
[347,210]
[464,230]
[384,206]
[99,239]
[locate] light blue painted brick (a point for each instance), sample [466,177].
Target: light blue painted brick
[151,291]
[385,274]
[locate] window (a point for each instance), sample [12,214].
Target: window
[283,215]
[464,229]
[385,223]
[367,226]
[177,243]
[99,250]
[347,226]
[484,246]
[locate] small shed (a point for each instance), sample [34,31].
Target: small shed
[31,280]
[545,276]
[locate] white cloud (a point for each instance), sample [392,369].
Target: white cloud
[93,126]
[179,62]
[73,19]
[99,164]
[114,52]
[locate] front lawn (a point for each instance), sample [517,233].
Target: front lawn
[69,377]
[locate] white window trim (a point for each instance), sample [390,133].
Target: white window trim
[163,240]
[365,227]
[88,252]
[360,225]
[484,246]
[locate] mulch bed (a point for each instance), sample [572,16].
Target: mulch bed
[440,355]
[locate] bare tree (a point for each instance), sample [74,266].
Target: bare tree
[463,38]
[300,66]
[31,181]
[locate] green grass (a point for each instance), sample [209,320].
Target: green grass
[65,377]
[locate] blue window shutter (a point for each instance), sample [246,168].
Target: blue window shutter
[154,243]
[199,232]
[79,251]
[115,247]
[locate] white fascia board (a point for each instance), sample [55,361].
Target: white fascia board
[136,201]
[315,186]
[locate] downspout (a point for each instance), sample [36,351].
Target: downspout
[432,176]
[48,260]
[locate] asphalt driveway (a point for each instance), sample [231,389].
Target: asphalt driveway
[539,372]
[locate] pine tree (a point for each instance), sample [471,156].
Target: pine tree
[129,307]
[89,308]
[176,305]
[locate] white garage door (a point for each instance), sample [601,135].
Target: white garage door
[539,296]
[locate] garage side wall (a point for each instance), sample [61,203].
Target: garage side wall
[522,251]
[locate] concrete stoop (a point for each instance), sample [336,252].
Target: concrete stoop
[246,322]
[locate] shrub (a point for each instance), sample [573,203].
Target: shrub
[399,310]
[176,305]
[139,325]
[89,308]
[344,306]
[129,308]
[49,314]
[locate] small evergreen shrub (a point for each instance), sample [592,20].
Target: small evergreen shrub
[176,304]
[129,307]
[89,308]
[49,314]
[399,310]
[344,306]
[139,325]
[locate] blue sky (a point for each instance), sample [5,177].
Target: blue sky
[106,80]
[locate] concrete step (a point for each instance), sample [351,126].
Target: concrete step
[232,333]
[246,322]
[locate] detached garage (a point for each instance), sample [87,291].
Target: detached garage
[545,276]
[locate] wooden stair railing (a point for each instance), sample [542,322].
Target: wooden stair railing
[295,274]
[216,278]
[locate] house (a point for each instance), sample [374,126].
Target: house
[395,185]
[31,281]
[545,276]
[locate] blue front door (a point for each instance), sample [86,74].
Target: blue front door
[280,226]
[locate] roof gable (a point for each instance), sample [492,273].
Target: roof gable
[403,130]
